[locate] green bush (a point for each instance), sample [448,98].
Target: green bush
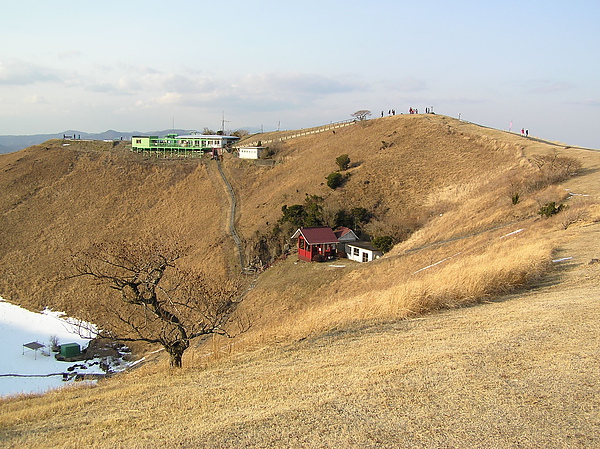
[343,162]
[549,209]
[334,180]
[383,243]
[515,197]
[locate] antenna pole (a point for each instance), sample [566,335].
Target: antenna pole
[223,123]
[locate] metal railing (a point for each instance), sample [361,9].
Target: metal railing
[306,132]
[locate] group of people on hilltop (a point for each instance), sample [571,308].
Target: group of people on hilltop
[411,110]
[524,132]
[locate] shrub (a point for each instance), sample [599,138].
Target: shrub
[552,169]
[383,243]
[514,197]
[308,214]
[549,209]
[355,218]
[343,162]
[334,180]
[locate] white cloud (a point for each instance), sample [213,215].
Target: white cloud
[17,72]
[411,84]
[548,86]
[589,102]
[267,91]
[70,54]
[35,99]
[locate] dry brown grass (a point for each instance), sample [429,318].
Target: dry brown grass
[507,374]
[363,355]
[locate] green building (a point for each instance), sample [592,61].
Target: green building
[188,145]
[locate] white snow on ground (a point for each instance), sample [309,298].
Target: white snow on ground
[18,327]
[512,233]
[562,259]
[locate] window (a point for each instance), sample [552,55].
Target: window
[138,140]
[355,251]
[365,257]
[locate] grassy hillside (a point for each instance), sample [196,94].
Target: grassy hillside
[448,184]
[59,199]
[339,355]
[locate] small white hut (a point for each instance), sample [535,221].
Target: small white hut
[362,251]
[251,152]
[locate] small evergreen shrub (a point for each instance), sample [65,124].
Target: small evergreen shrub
[383,243]
[515,198]
[343,162]
[549,209]
[334,180]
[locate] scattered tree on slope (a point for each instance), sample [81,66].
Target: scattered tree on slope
[157,302]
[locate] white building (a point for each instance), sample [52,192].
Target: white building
[354,248]
[362,251]
[251,152]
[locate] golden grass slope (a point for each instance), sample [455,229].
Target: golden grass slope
[60,199]
[348,354]
[450,181]
[521,372]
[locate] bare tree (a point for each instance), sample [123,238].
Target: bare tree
[240,133]
[363,114]
[155,301]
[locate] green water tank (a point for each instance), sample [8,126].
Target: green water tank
[70,350]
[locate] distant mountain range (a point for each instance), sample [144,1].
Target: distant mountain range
[8,144]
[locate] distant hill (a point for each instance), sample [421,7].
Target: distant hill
[8,144]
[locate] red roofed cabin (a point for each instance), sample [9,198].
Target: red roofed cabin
[317,243]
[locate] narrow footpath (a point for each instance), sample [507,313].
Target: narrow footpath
[232,230]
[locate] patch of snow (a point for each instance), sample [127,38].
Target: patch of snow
[561,260]
[434,264]
[512,233]
[18,327]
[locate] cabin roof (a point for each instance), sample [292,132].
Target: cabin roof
[316,235]
[363,245]
[345,234]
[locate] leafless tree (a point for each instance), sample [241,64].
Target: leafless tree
[363,114]
[240,133]
[153,300]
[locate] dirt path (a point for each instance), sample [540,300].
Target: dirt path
[232,229]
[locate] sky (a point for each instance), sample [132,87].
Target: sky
[133,65]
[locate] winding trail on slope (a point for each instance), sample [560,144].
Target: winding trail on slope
[232,229]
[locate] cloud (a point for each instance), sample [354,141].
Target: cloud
[547,86]
[35,99]
[411,84]
[589,102]
[16,72]
[294,83]
[406,85]
[267,91]
[70,54]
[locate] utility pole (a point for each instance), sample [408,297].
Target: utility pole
[223,123]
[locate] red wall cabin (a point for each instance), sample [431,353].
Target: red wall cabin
[317,243]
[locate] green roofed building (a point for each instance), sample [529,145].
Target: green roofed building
[188,145]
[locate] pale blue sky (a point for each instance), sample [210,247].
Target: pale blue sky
[137,65]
